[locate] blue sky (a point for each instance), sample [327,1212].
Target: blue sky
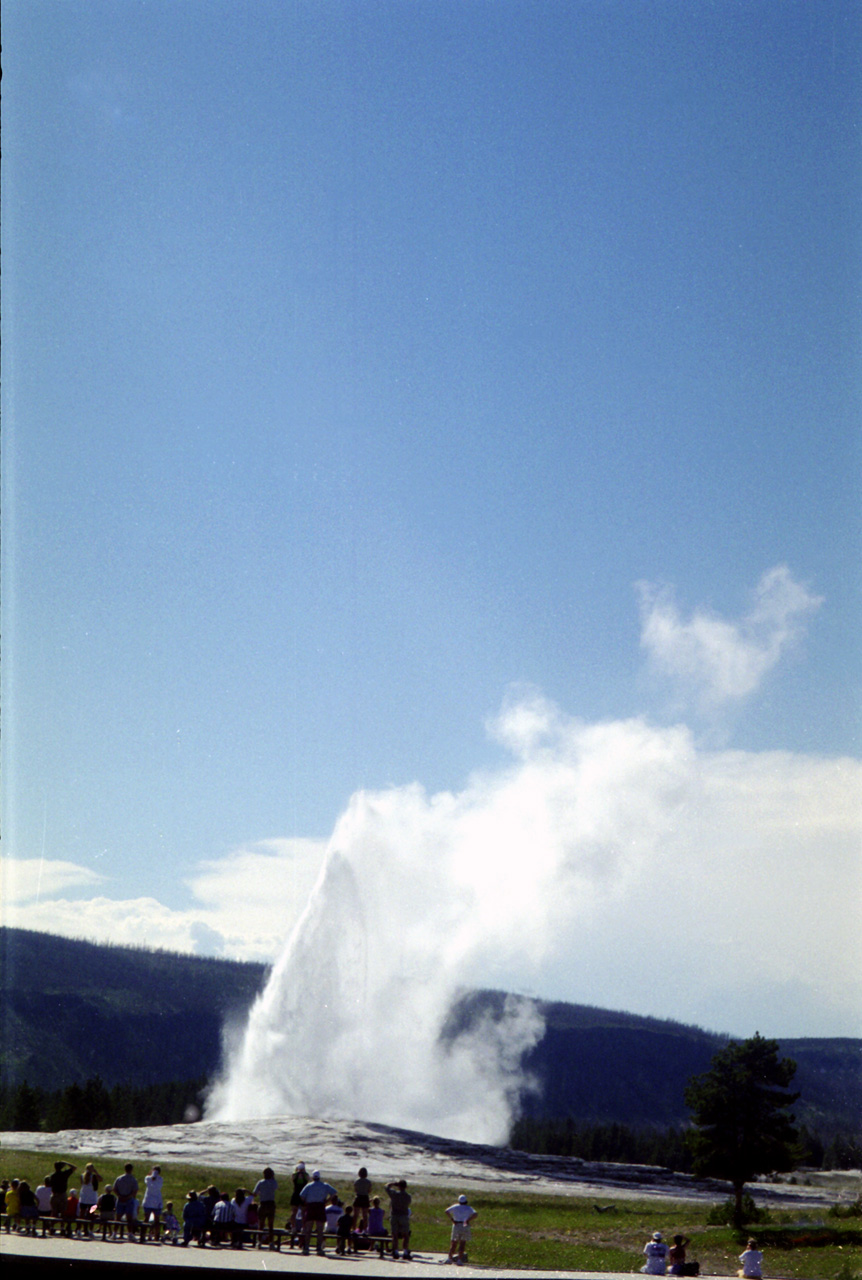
[359,362]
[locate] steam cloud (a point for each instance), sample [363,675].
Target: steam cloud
[723,661]
[420,896]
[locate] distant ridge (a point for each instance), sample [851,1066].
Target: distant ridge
[72,1010]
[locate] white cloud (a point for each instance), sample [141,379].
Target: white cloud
[125,921]
[29,880]
[247,903]
[720,661]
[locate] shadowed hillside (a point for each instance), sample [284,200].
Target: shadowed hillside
[75,1010]
[72,1010]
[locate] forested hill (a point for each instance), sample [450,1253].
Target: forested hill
[599,1066]
[74,1010]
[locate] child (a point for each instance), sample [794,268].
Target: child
[376,1224]
[252,1220]
[343,1228]
[13,1204]
[752,1262]
[334,1210]
[106,1207]
[70,1213]
[171,1224]
[43,1198]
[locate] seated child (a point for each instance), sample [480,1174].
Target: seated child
[171,1224]
[13,1204]
[70,1212]
[43,1199]
[334,1210]
[106,1207]
[343,1229]
[376,1223]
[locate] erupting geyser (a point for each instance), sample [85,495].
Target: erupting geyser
[419,897]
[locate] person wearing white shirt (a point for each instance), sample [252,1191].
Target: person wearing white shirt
[460,1215]
[752,1262]
[656,1256]
[151,1208]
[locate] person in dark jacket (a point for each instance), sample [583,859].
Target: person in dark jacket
[194,1219]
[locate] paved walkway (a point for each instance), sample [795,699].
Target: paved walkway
[55,1253]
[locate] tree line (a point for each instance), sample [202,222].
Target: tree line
[669,1147]
[92,1105]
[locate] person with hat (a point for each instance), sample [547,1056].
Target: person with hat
[460,1215]
[656,1256]
[314,1196]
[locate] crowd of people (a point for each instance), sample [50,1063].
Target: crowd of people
[126,1210]
[215,1217]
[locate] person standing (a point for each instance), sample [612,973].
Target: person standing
[88,1196]
[265,1191]
[460,1215]
[59,1185]
[126,1191]
[300,1177]
[399,1215]
[151,1209]
[314,1196]
[361,1200]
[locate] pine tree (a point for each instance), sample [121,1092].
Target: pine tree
[26,1109]
[740,1110]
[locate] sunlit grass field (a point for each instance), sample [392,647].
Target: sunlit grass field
[546,1232]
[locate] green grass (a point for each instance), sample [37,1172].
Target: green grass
[545,1232]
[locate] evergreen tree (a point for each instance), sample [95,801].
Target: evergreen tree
[26,1109]
[740,1110]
